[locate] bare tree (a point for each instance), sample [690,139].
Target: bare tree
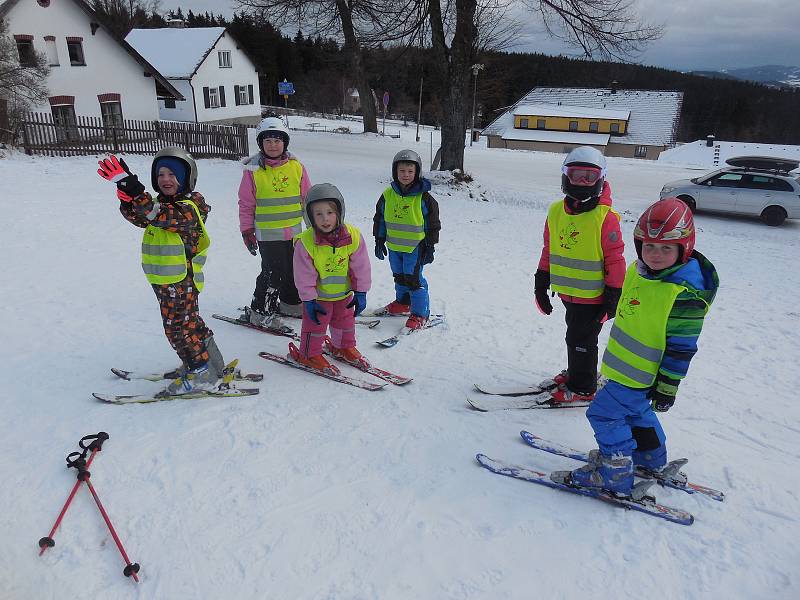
[22,77]
[358,23]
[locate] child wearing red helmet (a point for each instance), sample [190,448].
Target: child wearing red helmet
[665,297]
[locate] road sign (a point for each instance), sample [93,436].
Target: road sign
[285,88]
[385,99]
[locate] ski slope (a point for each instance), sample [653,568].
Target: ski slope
[318,491]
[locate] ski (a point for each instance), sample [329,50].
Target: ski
[677,481]
[231,392]
[284,331]
[646,505]
[359,383]
[542,400]
[433,321]
[132,375]
[372,324]
[382,312]
[518,390]
[379,373]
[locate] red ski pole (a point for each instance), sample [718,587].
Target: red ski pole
[131,569]
[81,464]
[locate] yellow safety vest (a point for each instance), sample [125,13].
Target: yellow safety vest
[638,338]
[576,251]
[164,255]
[278,203]
[405,225]
[332,264]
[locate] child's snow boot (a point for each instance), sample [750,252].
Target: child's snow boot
[611,473]
[563,395]
[202,378]
[555,380]
[398,309]
[318,363]
[348,355]
[415,322]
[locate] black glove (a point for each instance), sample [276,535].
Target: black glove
[541,282]
[116,171]
[662,394]
[380,248]
[609,307]
[426,254]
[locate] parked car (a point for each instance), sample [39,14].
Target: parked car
[762,186]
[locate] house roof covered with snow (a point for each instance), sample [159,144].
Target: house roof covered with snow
[653,120]
[175,52]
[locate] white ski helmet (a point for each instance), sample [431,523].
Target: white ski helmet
[407,156]
[582,188]
[320,192]
[272,124]
[181,155]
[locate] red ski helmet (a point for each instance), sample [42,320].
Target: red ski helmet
[668,221]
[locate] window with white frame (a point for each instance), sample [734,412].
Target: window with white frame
[213,98]
[640,152]
[224,59]
[241,95]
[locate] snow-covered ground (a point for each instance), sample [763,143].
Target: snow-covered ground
[698,154]
[315,490]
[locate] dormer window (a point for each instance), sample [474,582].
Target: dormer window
[224,59]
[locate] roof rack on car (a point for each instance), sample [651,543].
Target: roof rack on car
[769,164]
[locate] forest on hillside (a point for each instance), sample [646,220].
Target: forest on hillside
[728,109]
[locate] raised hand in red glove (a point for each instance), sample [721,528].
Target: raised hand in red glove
[116,171]
[250,241]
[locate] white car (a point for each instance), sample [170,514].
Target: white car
[761,186]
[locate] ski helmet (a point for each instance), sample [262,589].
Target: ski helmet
[407,156]
[668,221]
[181,155]
[583,174]
[320,192]
[270,127]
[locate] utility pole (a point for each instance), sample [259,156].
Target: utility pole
[475,69]
[419,107]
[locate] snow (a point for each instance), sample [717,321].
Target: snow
[315,490]
[175,52]
[556,110]
[699,154]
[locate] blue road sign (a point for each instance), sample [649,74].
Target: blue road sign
[285,88]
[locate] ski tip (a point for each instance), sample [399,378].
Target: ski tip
[475,407]
[121,374]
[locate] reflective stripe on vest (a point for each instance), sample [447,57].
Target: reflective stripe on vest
[164,255]
[576,251]
[638,338]
[278,203]
[405,224]
[332,264]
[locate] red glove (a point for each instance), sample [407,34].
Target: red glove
[116,171]
[250,241]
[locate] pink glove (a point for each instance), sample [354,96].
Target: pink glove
[250,241]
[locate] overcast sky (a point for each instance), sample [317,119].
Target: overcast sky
[698,34]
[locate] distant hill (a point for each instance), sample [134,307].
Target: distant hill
[779,76]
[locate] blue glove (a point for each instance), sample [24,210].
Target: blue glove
[380,248]
[359,301]
[426,254]
[313,308]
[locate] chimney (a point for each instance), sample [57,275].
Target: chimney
[614,85]
[710,141]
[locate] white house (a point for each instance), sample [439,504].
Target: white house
[211,70]
[91,72]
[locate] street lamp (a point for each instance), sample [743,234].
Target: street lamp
[475,68]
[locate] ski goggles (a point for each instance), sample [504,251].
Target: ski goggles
[583,176]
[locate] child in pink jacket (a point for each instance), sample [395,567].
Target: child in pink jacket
[333,275]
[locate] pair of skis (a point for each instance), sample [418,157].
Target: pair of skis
[226,389]
[669,477]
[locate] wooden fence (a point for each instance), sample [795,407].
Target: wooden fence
[90,135]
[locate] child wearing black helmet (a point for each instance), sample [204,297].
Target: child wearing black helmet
[333,276]
[406,227]
[174,249]
[271,194]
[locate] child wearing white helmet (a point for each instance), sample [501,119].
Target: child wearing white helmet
[271,199]
[174,250]
[582,260]
[333,275]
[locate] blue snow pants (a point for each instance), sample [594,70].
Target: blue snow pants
[624,423]
[409,282]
